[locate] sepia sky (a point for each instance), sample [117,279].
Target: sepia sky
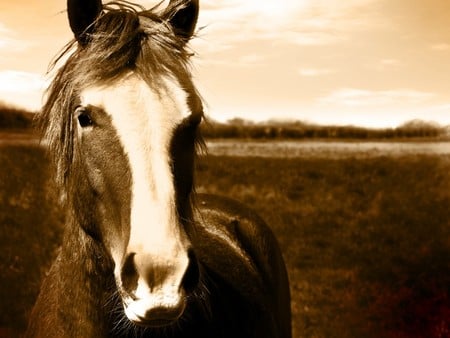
[363,62]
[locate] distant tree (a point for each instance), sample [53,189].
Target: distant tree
[419,128]
[14,118]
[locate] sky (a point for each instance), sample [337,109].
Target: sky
[375,63]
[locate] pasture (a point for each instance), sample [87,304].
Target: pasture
[366,239]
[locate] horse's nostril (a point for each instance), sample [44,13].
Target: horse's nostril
[192,274]
[129,275]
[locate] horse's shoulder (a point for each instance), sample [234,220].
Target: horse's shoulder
[233,217]
[238,231]
[240,247]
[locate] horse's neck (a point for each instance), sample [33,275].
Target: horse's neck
[85,282]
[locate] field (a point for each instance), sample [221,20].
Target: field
[366,239]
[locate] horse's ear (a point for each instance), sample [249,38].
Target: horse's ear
[82,13]
[183,17]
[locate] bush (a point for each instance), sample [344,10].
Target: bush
[15,118]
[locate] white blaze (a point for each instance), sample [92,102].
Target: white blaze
[144,120]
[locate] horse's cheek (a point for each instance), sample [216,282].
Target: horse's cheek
[92,164]
[111,229]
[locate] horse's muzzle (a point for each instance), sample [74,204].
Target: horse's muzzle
[155,295]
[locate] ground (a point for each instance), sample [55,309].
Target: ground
[366,239]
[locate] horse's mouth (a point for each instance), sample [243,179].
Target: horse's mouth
[152,322]
[159,316]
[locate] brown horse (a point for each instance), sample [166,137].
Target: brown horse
[142,254]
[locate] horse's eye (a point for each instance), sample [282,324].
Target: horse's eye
[84,118]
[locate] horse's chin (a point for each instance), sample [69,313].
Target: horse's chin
[143,312]
[153,323]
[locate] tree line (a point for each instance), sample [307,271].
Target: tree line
[243,129]
[19,119]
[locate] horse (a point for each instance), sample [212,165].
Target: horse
[143,254]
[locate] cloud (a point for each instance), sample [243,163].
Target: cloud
[252,60]
[297,22]
[313,38]
[388,64]
[9,42]
[246,61]
[23,89]
[352,97]
[440,46]
[19,81]
[442,107]
[314,72]
[439,113]
[3,28]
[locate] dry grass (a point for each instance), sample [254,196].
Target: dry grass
[366,241]
[30,228]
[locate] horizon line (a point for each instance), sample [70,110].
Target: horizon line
[273,120]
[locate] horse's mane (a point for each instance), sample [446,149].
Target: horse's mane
[125,37]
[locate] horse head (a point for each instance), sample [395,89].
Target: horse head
[126,108]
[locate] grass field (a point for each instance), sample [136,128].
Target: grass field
[366,240]
[30,229]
